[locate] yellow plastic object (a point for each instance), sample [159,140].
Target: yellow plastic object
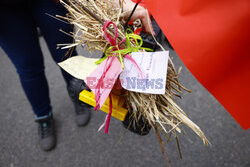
[117,102]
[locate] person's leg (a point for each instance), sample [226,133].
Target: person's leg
[50,30]
[18,38]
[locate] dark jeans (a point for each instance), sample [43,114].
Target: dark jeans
[19,39]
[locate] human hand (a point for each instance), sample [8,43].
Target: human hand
[140,13]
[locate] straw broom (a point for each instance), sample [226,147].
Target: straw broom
[160,111]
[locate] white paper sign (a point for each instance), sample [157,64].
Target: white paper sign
[154,68]
[78,66]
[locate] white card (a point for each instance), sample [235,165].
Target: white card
[78,66]
[154,68]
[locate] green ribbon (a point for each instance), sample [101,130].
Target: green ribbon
[120,52]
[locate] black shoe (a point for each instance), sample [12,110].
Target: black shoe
[82,109]
[46,132]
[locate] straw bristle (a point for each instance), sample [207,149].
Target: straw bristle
[161,110]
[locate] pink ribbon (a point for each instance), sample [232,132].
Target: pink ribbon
[113,42]
[108,37]
[107,119]
[133,61]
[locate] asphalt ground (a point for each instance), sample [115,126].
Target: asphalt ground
[78,147]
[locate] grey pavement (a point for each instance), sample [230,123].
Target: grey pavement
[84,147]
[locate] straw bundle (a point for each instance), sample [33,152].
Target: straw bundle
[160,111]
[89,30]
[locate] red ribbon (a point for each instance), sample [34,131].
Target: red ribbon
[109,114]
[113,42]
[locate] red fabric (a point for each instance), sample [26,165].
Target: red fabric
[141,2]
[212,38]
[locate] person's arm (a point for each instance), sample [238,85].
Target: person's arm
[140,13]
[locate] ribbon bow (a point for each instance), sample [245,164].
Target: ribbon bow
[115,48]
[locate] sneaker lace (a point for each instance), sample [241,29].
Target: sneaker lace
[45,129]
